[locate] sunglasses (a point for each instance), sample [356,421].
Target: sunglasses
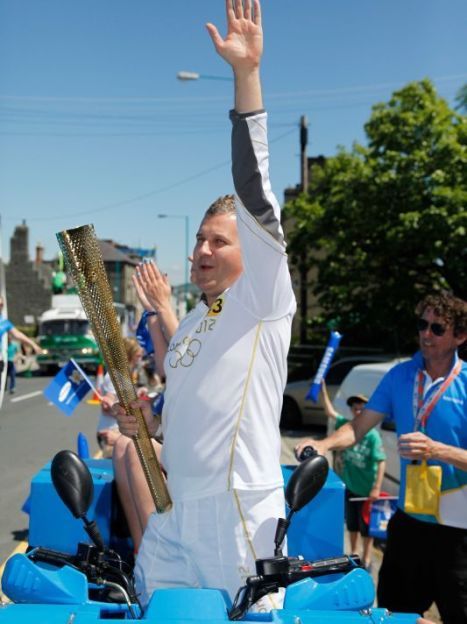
[436,328]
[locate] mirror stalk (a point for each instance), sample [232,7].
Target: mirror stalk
[281,531]
[92,530]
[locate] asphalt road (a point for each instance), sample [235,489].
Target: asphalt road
[31,432]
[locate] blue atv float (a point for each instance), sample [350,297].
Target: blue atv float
[57,582]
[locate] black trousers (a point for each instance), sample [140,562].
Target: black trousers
[424,563]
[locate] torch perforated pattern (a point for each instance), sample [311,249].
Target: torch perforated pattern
[83,260]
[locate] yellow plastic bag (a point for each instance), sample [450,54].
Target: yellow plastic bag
[422,489]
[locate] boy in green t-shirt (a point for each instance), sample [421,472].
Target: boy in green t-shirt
[361,468]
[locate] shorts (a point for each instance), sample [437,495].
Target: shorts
[210,542]
[354,516]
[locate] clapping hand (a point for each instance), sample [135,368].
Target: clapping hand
[152,286]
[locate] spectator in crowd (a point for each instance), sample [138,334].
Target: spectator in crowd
[425,560]
[107,426]
[362,471]
[15,334]
[11,365]
[153,290]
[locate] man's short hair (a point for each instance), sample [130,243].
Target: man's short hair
[222,205]
[452,309]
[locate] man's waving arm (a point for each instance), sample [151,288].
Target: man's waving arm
[265,285]
[242,49]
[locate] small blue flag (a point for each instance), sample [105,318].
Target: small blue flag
[326,361]
[158,404]
[381,512]
[69,386]
[143,336]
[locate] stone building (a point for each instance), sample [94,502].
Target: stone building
[29,282]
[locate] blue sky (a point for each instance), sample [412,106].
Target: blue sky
[95,127]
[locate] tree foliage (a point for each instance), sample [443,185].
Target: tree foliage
[386,222]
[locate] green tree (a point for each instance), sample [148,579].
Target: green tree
[386,222]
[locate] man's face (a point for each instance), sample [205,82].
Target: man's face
[435,347]
[217,258]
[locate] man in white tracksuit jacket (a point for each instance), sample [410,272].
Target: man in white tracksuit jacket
[226,365]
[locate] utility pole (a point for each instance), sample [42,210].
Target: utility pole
[303,156]
[303,269]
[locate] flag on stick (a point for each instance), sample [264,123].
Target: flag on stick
[68,387]
[326,361]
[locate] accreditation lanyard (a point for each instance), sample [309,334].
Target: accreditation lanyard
[424,406]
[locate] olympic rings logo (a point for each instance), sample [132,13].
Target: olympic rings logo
[187,357]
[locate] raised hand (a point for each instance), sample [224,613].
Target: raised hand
[152,287]
[242,47]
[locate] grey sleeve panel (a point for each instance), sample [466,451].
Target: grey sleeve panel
[250,171]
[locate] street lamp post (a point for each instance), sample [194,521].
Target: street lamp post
[187,230]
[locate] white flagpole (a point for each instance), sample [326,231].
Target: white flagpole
[365,498]
[86,378]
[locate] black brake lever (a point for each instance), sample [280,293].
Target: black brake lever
[256,588]
[54,557]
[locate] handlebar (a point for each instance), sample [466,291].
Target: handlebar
[282,571]
[107,569]
[100,567]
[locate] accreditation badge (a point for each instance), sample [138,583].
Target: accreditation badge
[422,489]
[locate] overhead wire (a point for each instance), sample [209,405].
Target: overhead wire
[152,193]
[120,116]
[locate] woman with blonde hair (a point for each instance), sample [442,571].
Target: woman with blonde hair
[107,426]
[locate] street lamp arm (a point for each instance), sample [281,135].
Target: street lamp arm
[186,75]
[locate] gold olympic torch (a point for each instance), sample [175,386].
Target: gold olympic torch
[84,263]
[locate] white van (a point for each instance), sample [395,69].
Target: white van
[363,379]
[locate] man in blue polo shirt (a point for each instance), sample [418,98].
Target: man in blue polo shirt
[425,560]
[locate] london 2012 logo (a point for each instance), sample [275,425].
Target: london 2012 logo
[184,352]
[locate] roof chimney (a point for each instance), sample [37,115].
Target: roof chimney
[39,254]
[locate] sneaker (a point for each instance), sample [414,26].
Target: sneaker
[12,391]
[368,567]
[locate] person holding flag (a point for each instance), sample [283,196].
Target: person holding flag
[15,334]
[361,468]
[156,328]
[107,426]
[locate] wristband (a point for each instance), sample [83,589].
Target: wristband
[147,313]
